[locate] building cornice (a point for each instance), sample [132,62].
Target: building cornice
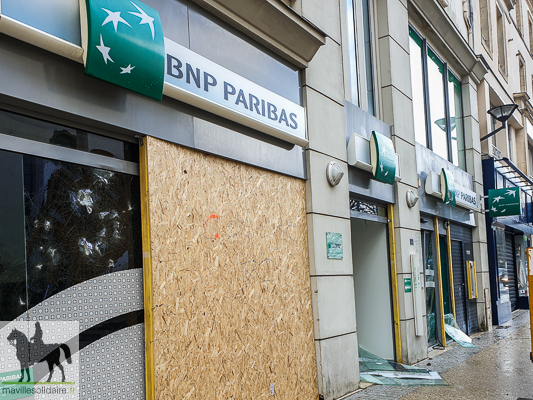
[273,24]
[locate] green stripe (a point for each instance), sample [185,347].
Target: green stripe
[38,383]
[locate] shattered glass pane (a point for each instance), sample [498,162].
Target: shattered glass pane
[374,369]
[453,332]
[81,222]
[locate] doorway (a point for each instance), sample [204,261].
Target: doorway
[433,309]
[373,298]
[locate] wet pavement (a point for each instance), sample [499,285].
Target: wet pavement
[499,368]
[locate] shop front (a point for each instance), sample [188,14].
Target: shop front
[151,151]
[372,233]
[447,204]
[509,226]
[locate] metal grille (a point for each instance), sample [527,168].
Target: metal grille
[511,269]
[367,208]
[459,285]
[462,234]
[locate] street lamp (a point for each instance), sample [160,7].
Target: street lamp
[501,113]
[441,123]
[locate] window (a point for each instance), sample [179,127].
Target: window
[417,82]
[359,31]
[530,25]
[518,11]
[510,143]
[484,12]
[522,73]
[502,51]
[456,115]
[437,103]
[530,160]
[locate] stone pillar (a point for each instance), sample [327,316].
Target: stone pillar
[473,167]
[395,80]
[328,209]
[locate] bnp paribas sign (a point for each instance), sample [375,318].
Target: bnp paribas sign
[504,202]
[124,44]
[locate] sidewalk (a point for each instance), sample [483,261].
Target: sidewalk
[499,368]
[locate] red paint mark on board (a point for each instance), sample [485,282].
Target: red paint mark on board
[212,216]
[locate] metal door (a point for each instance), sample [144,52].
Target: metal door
[511,270]
[459,285]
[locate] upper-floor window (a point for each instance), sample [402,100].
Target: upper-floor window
[522,73]
[530,159]
[502,48]
[484,16]
[359,32]
[518,11]
[437,102]
[530,27]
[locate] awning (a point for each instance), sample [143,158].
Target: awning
[514,174]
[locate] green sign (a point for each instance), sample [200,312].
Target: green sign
[334,245]
[125,45]
[504,202]
[383,158]
[407,285]
[447,185]
[11,388]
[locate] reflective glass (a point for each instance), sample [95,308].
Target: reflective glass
[13,300]
[503,277]
[429,274]
[417,82]
[456,121]
[368,57]
[436,105]
[352,52]
[59,135]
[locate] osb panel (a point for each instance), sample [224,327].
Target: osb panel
[231,294]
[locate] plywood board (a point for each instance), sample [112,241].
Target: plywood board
[231,292]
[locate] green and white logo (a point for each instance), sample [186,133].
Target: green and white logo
[383,158]
[447,184]
[124,45]
[504,202]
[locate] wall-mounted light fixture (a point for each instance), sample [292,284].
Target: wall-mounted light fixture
[501,113]
[334,173]
[411,198]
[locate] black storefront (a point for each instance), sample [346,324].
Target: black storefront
[507,240]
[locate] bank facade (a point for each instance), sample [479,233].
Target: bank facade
[297,179]
[504,46]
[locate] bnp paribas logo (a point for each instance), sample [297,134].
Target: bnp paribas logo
[124,45]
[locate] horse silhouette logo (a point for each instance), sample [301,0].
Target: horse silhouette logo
[35,351]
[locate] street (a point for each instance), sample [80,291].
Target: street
[499,368]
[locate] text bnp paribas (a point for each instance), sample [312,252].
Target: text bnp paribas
[226,93]
[466,198]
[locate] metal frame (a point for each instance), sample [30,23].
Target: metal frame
[368,217]
[53,152]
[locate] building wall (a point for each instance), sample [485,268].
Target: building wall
[328,207]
